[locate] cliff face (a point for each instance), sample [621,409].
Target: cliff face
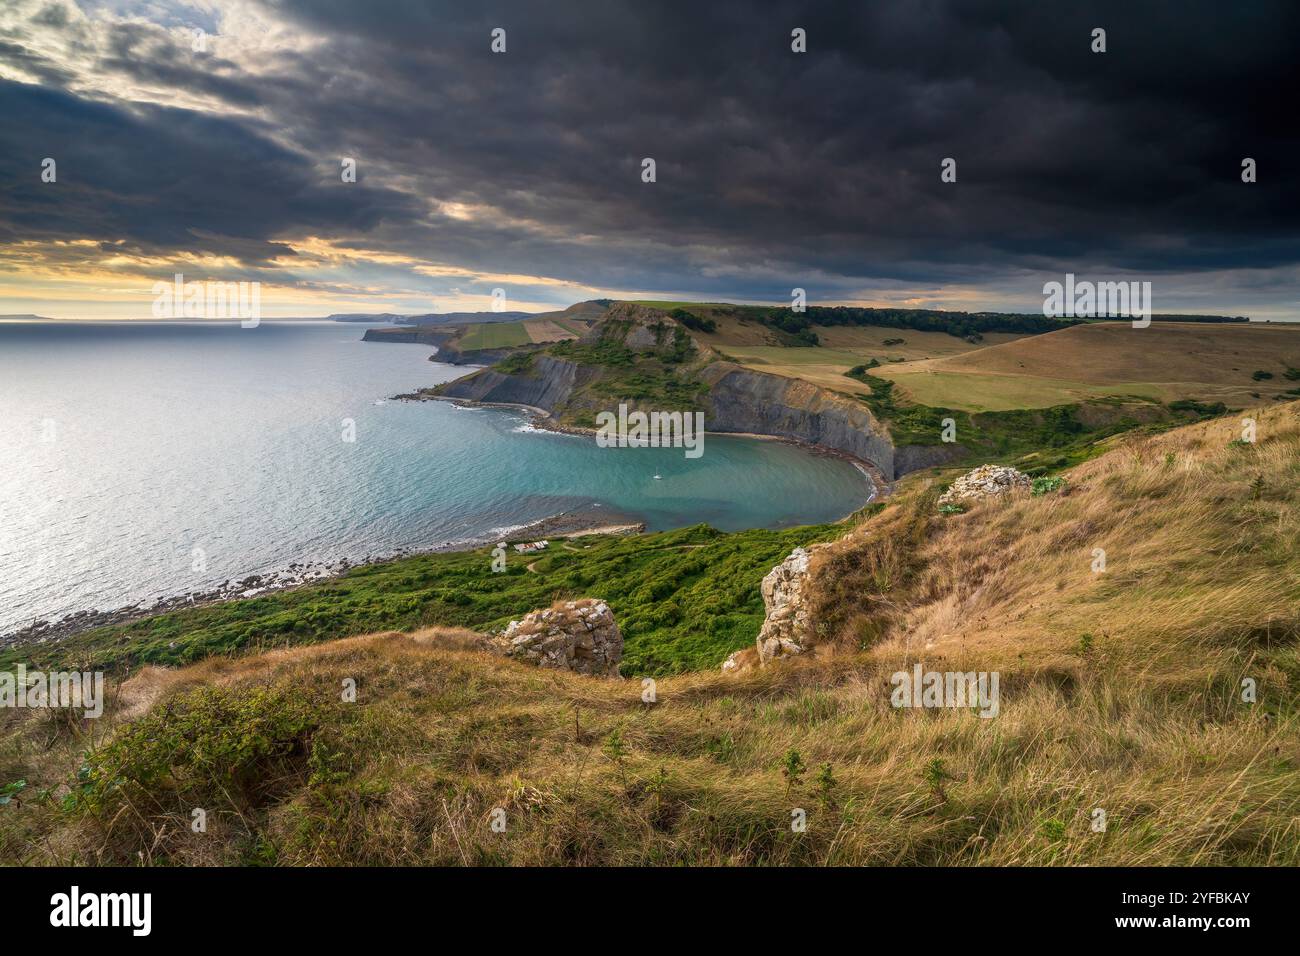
[738,400]
[421,336]
[742,400]
[549,385]
[911,458]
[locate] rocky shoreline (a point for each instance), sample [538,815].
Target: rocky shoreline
[298,575]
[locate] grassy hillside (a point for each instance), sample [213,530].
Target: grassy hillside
[1167,361]
[684,600]
[495,336]
[1035,440]
[1121,691]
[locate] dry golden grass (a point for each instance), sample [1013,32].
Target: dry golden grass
[1142,719]
[1167,360]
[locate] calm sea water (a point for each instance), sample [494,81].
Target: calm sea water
[127,446]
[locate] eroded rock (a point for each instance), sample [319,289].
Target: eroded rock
[579,636]
[785,628]
[986,481]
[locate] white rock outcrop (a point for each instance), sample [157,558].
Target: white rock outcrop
[986,481]
[579,636]
[784,630]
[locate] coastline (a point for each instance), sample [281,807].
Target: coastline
[563,525]
[542,419]
[566,524]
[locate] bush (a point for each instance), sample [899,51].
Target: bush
[1042,486]
[693,321]
[210,747]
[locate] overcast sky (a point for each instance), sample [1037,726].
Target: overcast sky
[523,170]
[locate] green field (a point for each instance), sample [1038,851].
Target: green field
[990,392]
[494,335]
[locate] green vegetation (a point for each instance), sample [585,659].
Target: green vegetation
[1261,376]
[964,325]
[649,378]
[1199,409]
[695,322]
[494,335]
[1036,440]
[213,744]
[684,600]
[520,363]
[796,326]
[1043,486]
[607,353]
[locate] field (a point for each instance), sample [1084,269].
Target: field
[821,366]
[1167,361]
[869,341]
[496,335]
[544,330]
[499,335]
[1235,364]
[843,348]
[977,392]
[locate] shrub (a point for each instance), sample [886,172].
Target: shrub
[1042,486]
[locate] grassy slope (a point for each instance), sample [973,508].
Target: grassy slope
[842,348]
[684,599]
[494,336]
[1120,692]
[1035,440]
[657,379]
[1166,361]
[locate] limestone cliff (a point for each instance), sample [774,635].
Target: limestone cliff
[418,335]
[742,400]
[549,384]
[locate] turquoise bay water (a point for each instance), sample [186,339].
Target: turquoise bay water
[127,446]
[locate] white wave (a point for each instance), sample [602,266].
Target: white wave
[528,428]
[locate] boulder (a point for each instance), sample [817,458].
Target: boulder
[784,630]
[578,636]
[986,481]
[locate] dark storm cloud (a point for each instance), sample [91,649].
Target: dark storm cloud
[1129,158]
[772,166]
[166,180]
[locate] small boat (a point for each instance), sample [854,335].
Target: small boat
[659,477]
